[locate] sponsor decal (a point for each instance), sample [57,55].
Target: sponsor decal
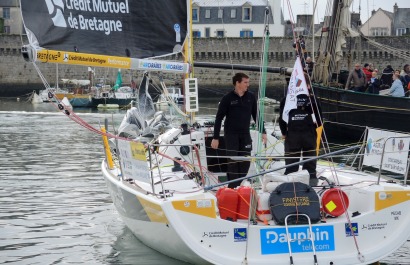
[90,15]
[216,234]
[374,226]
[240,234]
[163,66]
[275,241]
[351,229]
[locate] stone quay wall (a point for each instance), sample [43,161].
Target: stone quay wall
[19,77]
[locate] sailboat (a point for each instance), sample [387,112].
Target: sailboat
[115,97]
[348,113]
[168,185]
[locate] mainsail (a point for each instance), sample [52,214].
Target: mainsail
[106,33]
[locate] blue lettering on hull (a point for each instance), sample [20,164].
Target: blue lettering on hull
[274,241]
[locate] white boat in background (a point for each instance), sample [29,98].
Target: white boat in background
[108,97]
[171,93]
[168,185]
[35,98]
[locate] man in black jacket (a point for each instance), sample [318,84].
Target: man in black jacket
[300,133]
[237,107]
[386,78]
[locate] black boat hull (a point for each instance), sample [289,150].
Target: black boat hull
[348,113]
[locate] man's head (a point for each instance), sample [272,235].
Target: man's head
[308,59]
[357,66]
[366,65]
[241,81]
[238,77]
[406,68]
[374,74]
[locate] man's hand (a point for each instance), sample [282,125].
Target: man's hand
[215,143]
[264,138]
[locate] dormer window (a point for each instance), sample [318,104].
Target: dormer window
[233,13]
[247,13]
[208,13]
[220,13]
[195,14]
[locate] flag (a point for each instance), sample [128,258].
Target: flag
[297,86]
[118,82]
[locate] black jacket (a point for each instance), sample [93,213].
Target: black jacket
[237,112]
[316,109]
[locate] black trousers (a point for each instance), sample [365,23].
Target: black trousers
[237,145]
[300,141]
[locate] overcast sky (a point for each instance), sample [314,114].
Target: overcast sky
[366,7]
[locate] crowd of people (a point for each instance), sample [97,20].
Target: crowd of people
[366,79]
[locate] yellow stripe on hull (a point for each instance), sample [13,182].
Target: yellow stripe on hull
[153,211]
[385,199]
[199,207]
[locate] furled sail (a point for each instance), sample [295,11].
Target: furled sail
[88,31]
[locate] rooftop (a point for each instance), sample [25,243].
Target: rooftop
[229,2]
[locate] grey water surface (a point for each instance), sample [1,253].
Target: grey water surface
[54,205]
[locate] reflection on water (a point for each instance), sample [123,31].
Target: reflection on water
[54,205]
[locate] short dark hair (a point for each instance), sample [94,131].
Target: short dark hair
[238,77]
[366,65]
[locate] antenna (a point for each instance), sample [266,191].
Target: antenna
[305,7]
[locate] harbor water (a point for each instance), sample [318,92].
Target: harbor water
[54,205]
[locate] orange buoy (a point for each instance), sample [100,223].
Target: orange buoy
[227,203]
[335,202]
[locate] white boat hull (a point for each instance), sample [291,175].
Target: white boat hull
[165,226]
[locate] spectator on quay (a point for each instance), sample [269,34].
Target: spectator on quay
[396,89]
[358,77]
[300,48]
[309,66]
[367,72]
[405,77]
[387,76]
[374,84]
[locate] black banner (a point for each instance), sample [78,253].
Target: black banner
[127,28]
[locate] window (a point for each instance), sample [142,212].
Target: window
[246,14]
[400,31]
[207,32]
[7,29]
[246,33]
[233,13]
[195,12]
[220,33]
[196,34]
[220,13]
[6,12]
[378,31]
[208,13]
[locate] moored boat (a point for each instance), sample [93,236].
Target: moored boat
[168,186]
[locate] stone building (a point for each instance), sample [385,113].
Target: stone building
[235,19]
[385,23]
[10,17]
